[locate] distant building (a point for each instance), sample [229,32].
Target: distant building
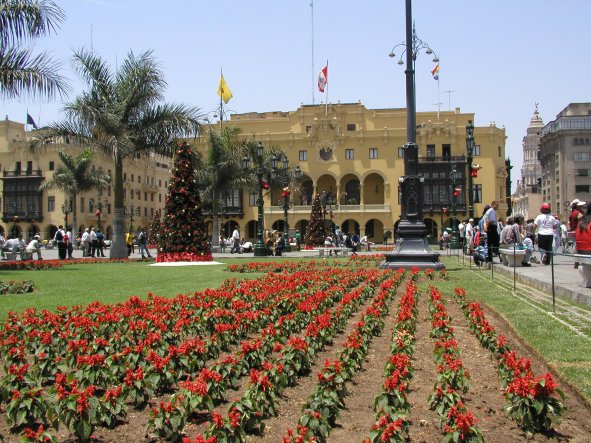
[355,155]
[29,211]
[528,196]
[565,154]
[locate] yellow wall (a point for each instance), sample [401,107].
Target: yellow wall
[339,127]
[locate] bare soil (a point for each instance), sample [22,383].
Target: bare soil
[484,399]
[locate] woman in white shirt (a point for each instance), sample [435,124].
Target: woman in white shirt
[545,226]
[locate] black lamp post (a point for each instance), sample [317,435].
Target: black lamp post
[131,218]
[470,152]
[412,246]
[286,192]
[455,241]
[66,209]
[259,246]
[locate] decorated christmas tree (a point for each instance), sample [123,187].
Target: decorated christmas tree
[183,233]
[317,231]
[154,229]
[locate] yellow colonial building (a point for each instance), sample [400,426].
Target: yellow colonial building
[354,156]
[28,211]
[351,155]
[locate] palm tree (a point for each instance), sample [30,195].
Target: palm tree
[22,21]
[76,175]
[221,172]
[121,116]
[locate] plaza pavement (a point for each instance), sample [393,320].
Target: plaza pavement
[567,279]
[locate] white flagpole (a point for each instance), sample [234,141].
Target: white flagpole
[326,104]
[438,100]
[313,70]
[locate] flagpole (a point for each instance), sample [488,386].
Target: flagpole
[221,104]
[438,100]
[313,70]
[326,104]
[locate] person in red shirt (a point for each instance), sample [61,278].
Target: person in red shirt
[576,214]
[583,234]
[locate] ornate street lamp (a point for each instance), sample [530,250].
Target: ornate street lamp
[131,218]
[455,241]
[285,192]
[259,246]
[470,152]
[412,246]
[66,209]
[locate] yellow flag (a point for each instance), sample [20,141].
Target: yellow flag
[223,90]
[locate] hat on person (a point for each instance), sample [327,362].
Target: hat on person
[545,208]
[576,202]
[471,220]
[37,237]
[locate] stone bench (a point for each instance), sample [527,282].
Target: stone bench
[322,251]
[584,262]
[512,257]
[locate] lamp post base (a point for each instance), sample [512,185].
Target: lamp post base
[259,249]
[412,249]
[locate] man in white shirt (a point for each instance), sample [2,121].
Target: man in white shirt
[85,242]
[236,240]
[33,247]
[491,227]
[469,231]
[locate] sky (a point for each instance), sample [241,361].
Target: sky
[499,57]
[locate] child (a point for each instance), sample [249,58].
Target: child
[481,251]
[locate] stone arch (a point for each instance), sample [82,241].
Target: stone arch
[350,226]
[374,189]
[374,229]
[432,230]
[302,226]
[251,230]
[350,190]
[327,182]
[306,192]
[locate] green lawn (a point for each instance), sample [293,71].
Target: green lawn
[80,284]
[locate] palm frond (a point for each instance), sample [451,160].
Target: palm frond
[22,73]
[23,20]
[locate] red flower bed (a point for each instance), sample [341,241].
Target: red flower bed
[182,256]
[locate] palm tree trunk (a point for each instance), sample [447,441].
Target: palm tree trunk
[118,247]
[74,223]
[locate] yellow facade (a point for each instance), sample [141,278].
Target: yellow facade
[26,211]
[338,145]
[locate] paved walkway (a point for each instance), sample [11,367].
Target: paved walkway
[567,280]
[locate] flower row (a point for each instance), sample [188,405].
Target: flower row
[322,407]
[453,379]
[535,402]
[392,406]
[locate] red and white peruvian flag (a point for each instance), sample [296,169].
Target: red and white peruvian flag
[323,78]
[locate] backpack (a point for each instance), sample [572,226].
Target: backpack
[59,236]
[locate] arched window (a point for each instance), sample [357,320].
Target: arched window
[576,141]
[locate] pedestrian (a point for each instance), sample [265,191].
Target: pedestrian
[350,243]
[490,224]
[93,243]
[298,239]
[469,232]
[129,242]
[235,241]
[576,213]
[462,232]
[142,241]
[62,247]
[546,225]
[34,247]
[85,243]
[69,242]
[511,237]
[583,234]
[338,234]
[365,241]
[279,244]
[100,237]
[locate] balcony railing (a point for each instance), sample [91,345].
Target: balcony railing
[336,209]
[23,173]
[444,159]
